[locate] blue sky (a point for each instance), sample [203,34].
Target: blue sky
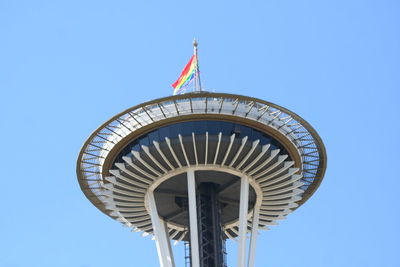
[68,66]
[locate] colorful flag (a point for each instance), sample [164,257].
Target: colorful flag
[187,76]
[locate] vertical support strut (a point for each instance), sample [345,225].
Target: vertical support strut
[194,237]
[170,254]
[161,234]
[254,234]
[244,203]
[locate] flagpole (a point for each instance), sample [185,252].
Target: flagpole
[197,83]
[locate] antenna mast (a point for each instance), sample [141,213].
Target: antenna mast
[197,82]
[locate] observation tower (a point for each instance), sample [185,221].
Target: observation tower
[202,168]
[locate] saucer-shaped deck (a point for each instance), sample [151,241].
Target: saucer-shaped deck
[222,137]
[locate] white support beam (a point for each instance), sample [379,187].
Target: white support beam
[170,252]
[194,237]
[254,234]
[162,240]
[244,203]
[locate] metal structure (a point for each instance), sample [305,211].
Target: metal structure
[202,168]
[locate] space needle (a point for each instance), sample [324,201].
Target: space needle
[202,168]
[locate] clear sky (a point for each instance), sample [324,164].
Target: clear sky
[68,66]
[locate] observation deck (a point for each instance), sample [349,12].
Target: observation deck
[140,164]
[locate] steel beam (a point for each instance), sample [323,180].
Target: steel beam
[244,203]
[164,251]
[194,237]
[254,234]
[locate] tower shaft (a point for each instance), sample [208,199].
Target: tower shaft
[211,241]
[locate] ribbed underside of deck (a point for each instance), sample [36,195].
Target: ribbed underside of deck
[218,158]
